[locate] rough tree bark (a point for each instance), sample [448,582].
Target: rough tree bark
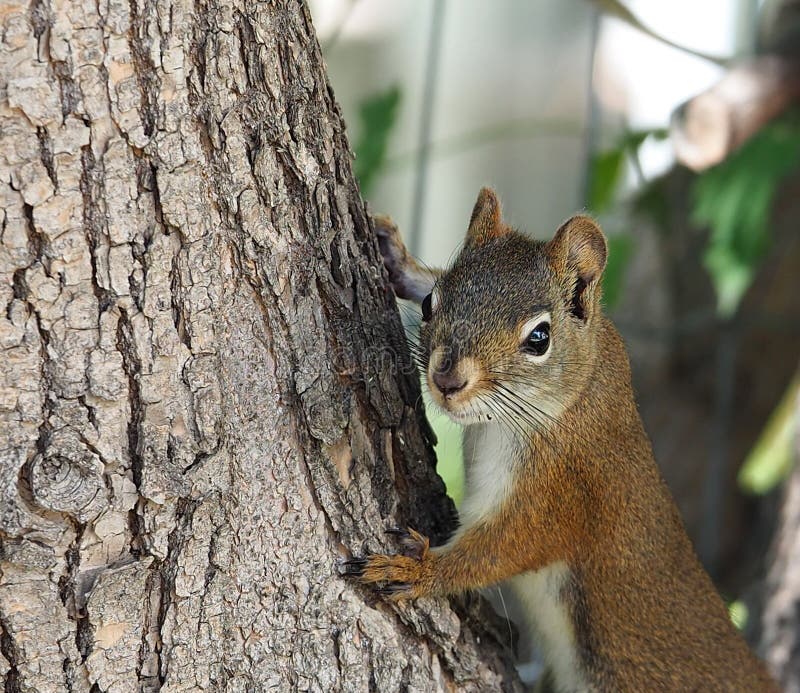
[204,391]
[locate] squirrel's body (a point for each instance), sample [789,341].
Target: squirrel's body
[563,495]
[641,612]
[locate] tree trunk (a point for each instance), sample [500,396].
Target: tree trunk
[206,398]
[781,620]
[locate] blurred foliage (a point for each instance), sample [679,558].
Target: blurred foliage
[606,171]
[620,11]
[607,166]
[734,199]
[620,251]
[738,613]
[515,129]
[605,179]
[377,115]
[449,454]
[771,458]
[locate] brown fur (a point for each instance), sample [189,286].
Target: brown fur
[588,492]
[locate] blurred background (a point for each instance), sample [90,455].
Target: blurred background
[677,125]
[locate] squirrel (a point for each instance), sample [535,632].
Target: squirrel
[563,495]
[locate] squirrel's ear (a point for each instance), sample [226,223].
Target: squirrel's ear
[486,221]
[579,246]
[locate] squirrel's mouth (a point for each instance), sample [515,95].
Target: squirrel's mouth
[456,386]
[452,380]
[469,416]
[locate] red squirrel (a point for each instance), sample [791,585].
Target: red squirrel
[563,496]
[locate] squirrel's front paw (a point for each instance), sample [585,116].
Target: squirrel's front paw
[397,577]
[389,239]
[395,256]
[408,279]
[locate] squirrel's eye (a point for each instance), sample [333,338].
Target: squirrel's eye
[538,340]
[426,308]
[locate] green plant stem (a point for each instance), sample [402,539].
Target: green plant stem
[511,129]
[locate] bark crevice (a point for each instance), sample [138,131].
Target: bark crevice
[10,651]
[184,514]
[145,70]
[46,155]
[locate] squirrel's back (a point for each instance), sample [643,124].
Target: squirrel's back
[645,613]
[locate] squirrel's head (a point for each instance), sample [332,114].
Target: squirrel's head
[509,329]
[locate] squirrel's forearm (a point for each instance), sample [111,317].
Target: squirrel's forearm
[413,282]
[478,556]
[488,552]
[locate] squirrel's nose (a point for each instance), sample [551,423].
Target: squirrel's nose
[449,383]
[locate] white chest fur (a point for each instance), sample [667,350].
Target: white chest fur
[489,454]
[489,462]
[540,593]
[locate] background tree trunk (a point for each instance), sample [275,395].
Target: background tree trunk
[205,395]
[780,638]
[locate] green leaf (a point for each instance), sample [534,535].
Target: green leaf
[378,115]
[770,460]
[738,613]
[620,250]
[735,200]
[606,167]
[606,170]
[633,139]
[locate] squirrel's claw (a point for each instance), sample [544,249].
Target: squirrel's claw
[404,576]
[395,590]
[353,567]
[396,531]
